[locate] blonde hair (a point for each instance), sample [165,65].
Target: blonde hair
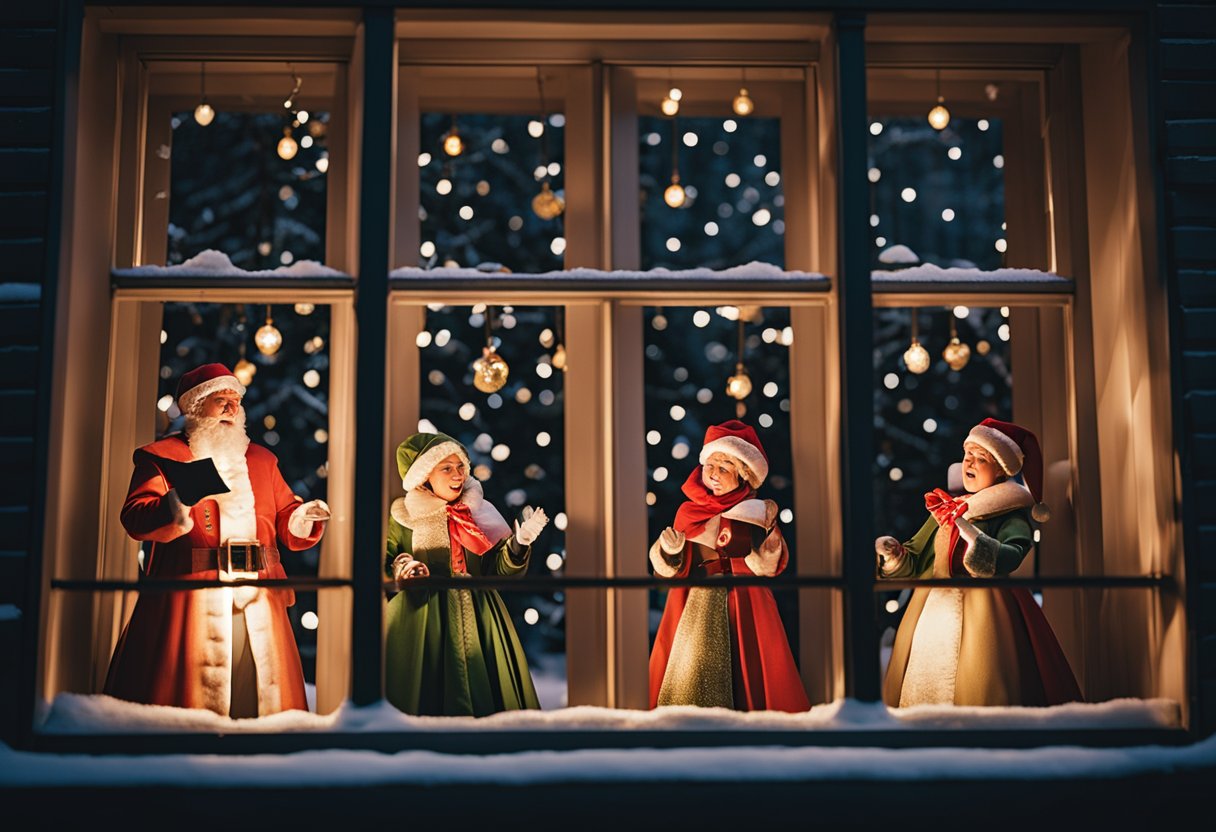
[742,470]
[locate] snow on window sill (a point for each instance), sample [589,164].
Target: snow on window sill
[929,277]
[215,266]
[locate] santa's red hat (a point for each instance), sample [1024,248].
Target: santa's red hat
[201,382]
[1015,449]
[738,441]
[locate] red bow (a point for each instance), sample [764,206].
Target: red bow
[946,510]
[463,534]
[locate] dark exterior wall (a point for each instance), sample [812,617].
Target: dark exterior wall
[29,47]
[1186,112]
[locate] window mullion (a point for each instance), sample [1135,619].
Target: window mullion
[375,201]
[857,337]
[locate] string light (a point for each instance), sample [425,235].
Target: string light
[674,195]
[204,114]
[916,357]
[939,116]
[268,339]
[453,144]
[742,103]
[670,105]
[546,204]
[288,147]
[559,360]
[490,371]
[739,385]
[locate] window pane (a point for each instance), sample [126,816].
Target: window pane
[732,211]
[478,207]
[937,195]
[515,440]
[690,355]
[231,190]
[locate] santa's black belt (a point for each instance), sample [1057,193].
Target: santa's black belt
[234,556]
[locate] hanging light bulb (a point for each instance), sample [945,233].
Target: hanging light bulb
[559,358]
[916,357]
[245,370]
[674,195]
[546,204]
[490,371]
[670,105]
[956,353]
[305,308]
[743,104]
[268,339]
[739,386]
[287,148]
[204,114]
[453,144]
[939,116]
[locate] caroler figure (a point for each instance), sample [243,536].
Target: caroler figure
[977,646]
[452,651]
[718,646]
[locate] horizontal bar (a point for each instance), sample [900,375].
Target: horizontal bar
[605,283]
[122,279]
[554,583]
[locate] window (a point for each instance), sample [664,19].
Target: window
[574,112]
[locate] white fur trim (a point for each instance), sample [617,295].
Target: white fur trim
[756,512]
[933,657]
[202,391]
[427,460]
[739,449]
[998,499]
[980,556]
[709,536]
[421,502]
[766,561]
[1008,453]
[216,668]
[665,565]
[259,629]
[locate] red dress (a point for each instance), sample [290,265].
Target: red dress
[742,540]
[176,649]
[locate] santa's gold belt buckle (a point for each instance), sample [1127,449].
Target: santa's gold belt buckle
[241,556]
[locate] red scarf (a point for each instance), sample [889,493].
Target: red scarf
[464,534]
[702,506]
[947,510]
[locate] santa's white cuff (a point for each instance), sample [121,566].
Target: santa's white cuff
[298,524]
[980,556]
[665,565]
[182,519]
[766,561]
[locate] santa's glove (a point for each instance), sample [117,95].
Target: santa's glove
[533,522]
[890,552]
[671,541]
[405,567]
[301,521]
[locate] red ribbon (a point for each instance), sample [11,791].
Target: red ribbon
[702,505]
[464,534]
[946,510]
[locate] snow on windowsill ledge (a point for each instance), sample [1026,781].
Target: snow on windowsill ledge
[84,714]
[929,275]
[216,264]
[754,272]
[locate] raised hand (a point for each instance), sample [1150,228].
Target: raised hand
[671,541]
[533,522]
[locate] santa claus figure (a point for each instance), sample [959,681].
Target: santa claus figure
[718,646]
[229,649]
[977,646]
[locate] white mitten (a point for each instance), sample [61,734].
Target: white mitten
[301,520]
[534,521]
[671,541]
[405,567]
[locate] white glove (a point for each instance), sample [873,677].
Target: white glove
[405,567]
[671,541]
[301,521]
[967,530]
[534,521]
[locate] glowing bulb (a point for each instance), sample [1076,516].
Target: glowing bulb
[559,357]
[287,148]
[305,308]
[674,195]
[546,204]
[743,104]
[244,371]
[204,114]
[917,358]
[939,116]
[268,339]
[739,386]
[490,371]
[453,145]
[670,105]
[957,354]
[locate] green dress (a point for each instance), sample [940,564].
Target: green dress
[453,651]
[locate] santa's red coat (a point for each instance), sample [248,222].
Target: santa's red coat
[176,649]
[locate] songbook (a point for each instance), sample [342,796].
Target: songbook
[193,480]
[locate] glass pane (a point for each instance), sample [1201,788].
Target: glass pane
[286,404]
[937,196]
[515,440]
[691,354]
[233,192]
[478,207]
[732,210]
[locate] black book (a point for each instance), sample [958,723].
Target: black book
[193,480]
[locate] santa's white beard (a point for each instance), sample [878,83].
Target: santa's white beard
[226,444]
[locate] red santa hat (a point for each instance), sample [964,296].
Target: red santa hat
[1015,449]
[201,382]
[739,442]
